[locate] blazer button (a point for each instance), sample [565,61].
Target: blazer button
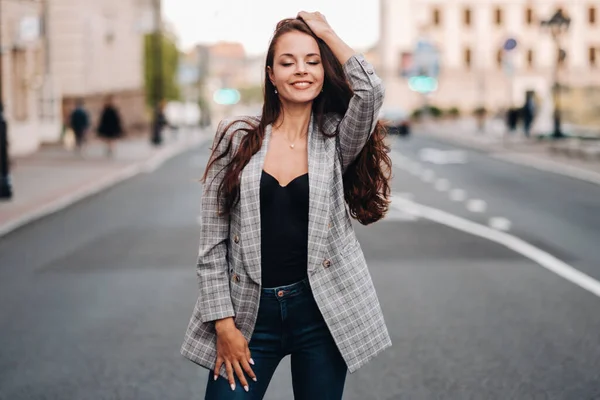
[236,239]
[370,72]
[329,225]
[235,278]
[326,263]
[364,62]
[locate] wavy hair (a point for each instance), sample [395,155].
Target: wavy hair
[366,180]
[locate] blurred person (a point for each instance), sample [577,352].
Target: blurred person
[79,122]
[280,270]
[110,128]
[528,112]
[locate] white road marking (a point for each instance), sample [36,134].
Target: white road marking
[442,157]
[442,185]
[514,243]
[406,195]
[458,195]
[500,223]
[476,205]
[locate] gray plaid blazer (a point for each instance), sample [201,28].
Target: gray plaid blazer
[229,261]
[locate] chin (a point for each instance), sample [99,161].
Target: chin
[303,98]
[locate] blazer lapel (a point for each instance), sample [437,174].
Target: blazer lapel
[320,168]
[250,210]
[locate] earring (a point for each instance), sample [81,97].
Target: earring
[275,91]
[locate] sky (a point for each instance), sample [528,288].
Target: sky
[251,22]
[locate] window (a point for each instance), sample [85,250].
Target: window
[498,16]
[529,16]
[436,17]
[468,58]
[467,17]
[592,56]
[592,15]
[529,58]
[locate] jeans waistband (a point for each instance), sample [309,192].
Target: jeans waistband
[281,292]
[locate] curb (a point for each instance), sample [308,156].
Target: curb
[146,166]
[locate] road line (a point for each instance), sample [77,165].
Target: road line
[458,195]
[520,246]
[500,223]
[476,205]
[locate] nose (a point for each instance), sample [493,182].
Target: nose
[300,68]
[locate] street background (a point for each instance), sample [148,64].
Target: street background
[487,264]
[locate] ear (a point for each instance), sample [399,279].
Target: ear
[271,77]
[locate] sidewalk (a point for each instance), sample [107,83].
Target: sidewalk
[515,148]
[54,177]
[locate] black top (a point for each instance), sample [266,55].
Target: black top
[284,230]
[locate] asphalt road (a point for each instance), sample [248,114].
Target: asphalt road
[95,299]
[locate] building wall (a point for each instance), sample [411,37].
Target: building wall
[97,50]
[31,114]
[485,82]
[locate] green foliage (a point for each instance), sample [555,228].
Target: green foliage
[170,61]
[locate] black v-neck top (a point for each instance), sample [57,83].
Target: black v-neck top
[284,230]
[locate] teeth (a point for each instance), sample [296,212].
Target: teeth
[301,84]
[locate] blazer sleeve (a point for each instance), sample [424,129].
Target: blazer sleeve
[214,300]
[358,123]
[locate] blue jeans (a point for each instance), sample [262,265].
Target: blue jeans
[289,322]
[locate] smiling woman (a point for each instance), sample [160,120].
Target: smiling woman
[277,243]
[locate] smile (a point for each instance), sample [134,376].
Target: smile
[301,85]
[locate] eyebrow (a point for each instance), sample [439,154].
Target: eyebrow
[291,55]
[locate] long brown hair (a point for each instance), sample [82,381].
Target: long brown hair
[366,180]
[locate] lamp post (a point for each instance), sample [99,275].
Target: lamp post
[558,24]
[158,118]
[5,184]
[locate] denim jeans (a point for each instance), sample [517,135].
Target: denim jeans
[289,322]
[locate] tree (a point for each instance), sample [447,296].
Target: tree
[170,61]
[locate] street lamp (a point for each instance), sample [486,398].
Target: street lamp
[5,184]
[558,25]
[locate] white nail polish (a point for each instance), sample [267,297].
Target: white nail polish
[246,388]
[233,386]
[254,379]
[251,361]
[216,376]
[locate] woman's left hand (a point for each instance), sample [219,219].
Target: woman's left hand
[316,22]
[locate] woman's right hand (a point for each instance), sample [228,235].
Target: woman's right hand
[233,351]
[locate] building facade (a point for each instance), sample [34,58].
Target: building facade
[97,50]
[470,35]
[31,110]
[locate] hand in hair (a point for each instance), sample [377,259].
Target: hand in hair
[316,22]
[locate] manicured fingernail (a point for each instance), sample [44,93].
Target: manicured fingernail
[246,388]
[216,376]
[233,386]
[252,361]
[254,379]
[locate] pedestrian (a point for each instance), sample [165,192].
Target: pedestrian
[110,128]
[79,123]
[528,112]
[280,269]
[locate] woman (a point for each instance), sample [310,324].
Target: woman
[110,128]
[280,270]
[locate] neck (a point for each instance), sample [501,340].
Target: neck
[293,120]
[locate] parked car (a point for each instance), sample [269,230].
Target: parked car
[397,121]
